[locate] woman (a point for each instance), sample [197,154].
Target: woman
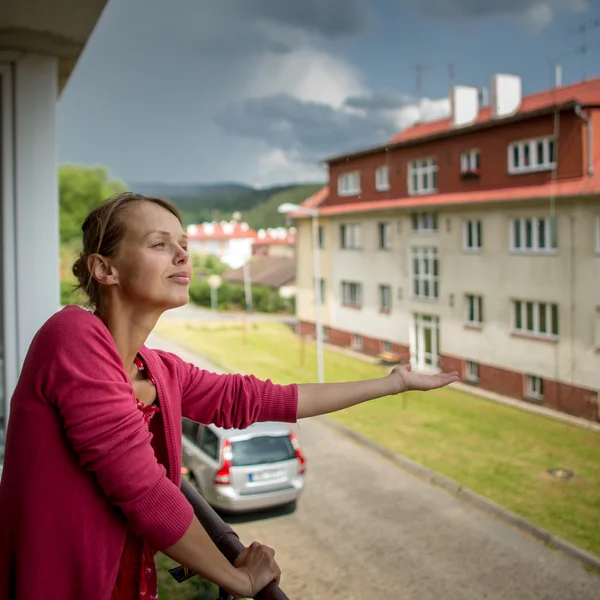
[90,489]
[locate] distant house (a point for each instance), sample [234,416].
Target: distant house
[230,241]
[279,241]
[275,272]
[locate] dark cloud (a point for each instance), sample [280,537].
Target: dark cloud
[311,129]
[327,18]
[381,100]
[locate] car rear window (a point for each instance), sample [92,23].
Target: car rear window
[261,450]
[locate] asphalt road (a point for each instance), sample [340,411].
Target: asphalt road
[366,529]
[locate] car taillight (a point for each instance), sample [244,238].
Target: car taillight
[299,455]
[222,476]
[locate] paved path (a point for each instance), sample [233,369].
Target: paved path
[366,529]
[193,313]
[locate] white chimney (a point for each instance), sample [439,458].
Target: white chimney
[506,95]
[464,103]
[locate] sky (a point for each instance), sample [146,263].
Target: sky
[261,91]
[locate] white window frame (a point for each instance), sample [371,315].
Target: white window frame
[351,236]
[538,310]
[534,387]
[474,306]
[387,346]
[427,275]
[349,184]
[531,146]
[424,222]
[475,228]
[357,342]
[551,237]
[350,289]
[382,178]
[472,371]
[384,235]
[322,289]
[470,161]
[422,168]
[385,289]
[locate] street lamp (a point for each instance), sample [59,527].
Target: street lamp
[287,208]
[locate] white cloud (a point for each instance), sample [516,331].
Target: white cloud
[280,166]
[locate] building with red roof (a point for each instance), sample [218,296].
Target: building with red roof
[471,243]
[276,241]
[230,241]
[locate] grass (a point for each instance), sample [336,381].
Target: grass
[497,451]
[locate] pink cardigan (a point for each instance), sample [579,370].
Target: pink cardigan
[79,467]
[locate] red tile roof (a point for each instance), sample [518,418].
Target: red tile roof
[225,230]
[582,186]
[585,92]
[276,237]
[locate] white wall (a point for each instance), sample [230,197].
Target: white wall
[30,204]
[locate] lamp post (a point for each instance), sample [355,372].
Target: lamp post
[287,208]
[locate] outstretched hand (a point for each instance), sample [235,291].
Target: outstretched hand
[408,380]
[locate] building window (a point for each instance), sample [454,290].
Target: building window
[387,347]
[422,176]
[528,156]
[385,298]
[470,162]
[357,342]
[472,371]
[384,235]
[424,222]
[322,290]
[425,273]
[321,237]
[349,184]
[472,236]
[351,294]
[382,178]
[325,331]
[474,310]
[536,318]
[533,235]
[351,236]
[535,387]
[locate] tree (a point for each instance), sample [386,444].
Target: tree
[81,189]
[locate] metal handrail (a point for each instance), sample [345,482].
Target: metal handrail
[224,537]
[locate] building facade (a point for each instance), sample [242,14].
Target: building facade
[472,244]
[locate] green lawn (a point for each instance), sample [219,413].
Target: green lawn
[500,452]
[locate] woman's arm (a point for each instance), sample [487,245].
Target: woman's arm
[322,398]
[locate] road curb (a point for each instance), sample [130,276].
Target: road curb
[454,487]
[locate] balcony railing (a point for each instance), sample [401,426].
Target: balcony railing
[224,537]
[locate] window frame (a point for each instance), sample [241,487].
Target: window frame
[521,314]
[384,289]
[321,237]
[346,287]
[351,236]
[531,393]
[476,227]
[384,235]
[425,255]
[550,233]
[421,167]
[474,307]
[470,161]
[531,144]
[348,184]
[322,290]
[382,184]
[357,342]
[426,221]
[472,371]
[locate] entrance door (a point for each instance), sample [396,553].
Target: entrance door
[425,342]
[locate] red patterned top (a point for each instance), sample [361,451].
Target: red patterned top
[136,579]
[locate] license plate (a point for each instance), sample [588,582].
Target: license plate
[265,475]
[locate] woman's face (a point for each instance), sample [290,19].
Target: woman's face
[152,267]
